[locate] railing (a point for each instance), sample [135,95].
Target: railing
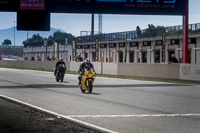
[140,34]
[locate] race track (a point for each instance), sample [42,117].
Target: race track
[119,105]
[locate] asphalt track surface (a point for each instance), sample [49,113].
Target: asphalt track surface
[119,105]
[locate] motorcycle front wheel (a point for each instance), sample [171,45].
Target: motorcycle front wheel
[90,86]
[62,77]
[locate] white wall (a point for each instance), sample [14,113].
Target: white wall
[164,71]
[190,72]
[74,66]
[110,68]
[97,67]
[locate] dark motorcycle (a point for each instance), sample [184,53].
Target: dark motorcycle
[60,73]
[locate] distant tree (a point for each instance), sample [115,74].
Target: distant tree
[59,36]
[34,38]
[56,36]
[50,38]
[45,39]
[6,42]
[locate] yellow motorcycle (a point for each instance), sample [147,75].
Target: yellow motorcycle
[87,80]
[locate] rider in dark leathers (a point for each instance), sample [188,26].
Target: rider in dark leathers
[82,66]
[58,63]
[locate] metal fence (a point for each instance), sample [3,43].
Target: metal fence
[140,34]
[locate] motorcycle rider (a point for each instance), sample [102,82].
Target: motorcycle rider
[87,62]
[58,63]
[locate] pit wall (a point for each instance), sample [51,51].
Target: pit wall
[46,65]
[188,72]
[163,71]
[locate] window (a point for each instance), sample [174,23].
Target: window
[131,57]
[144,57]
[157,56]
[120,56]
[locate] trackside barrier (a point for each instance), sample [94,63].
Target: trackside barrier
[74,66]
[97,67]
[46,65]
[3,63]
[110,68]
[164,71]
[190,72]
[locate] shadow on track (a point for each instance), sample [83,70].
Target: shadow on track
[93,93]
[95,86]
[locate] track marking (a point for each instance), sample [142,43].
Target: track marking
[128,116]
[60,115]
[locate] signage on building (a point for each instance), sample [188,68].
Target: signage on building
[192,40]
[112,45]
[174,41]
[74,49]
[145,7]
[163,46]
[97,49]
[103,45]
[86,46]
[93,46]
[121,45]
[79,47]
[43,9]
[56,50]
[150,7]
[147,43]
[134,44]
[32,4]
[159,42]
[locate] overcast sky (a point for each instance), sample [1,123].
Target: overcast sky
[74,23]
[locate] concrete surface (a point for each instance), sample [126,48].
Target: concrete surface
[118,105]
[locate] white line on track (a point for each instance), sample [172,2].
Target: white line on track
[60,115]
[126,116]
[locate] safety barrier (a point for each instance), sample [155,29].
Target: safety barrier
[163,71]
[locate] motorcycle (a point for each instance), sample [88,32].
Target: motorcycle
[60,73]
[87,80]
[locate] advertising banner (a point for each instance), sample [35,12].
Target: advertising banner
[163,47]
[74,49]
[97,49]
[145,7]
[56,50]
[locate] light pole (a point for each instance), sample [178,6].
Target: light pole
[14,33]
[27,35]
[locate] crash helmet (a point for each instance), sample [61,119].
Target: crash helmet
[61,59]
[87,61]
